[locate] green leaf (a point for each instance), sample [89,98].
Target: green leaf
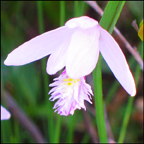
[111,15]
[108,21]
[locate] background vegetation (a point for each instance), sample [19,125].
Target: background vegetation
[25,96]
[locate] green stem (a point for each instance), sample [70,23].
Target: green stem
[71,130]
[62,13]
[98,97]
[76,9]
[108,21]
[57,129]
[40,17]
[126,119]
[82,8]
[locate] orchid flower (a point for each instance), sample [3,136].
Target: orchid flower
[5,114]
[75,46]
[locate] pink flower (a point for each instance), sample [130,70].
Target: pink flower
[76,47]
[5,114]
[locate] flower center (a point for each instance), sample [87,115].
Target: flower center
[70,81]
[71,94]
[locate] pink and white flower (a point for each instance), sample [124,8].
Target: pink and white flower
[75,46]
[5,114]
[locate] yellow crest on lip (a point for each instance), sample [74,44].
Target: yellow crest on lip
[70,81]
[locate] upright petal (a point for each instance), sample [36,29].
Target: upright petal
[83,52]
[116,60]
[38,47]
[4,114]
[57,59]
[83,22]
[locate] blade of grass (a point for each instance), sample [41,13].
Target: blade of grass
[97,79]
[76,8]
[108,21]
[85,138]
[41,30]
[17,132]
[71,130]
[62,13]
[45,76]
[6,126]
[82,8]
[111,92]
[40,17]
[57,129]
[59,118]
[111,15]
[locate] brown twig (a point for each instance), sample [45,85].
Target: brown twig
[23,119]
[134,24]
[133,51]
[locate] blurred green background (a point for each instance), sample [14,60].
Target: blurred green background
[25,84]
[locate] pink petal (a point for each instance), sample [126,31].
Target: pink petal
[116,60]
[83,22]
[4,114]
[38,47]
[83,52]
[57,59]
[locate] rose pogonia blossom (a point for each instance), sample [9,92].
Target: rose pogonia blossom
[5,114]
[75,46]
